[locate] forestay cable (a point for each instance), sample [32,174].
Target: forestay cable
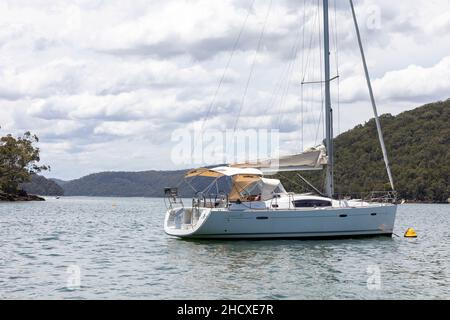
[233,51]
[261,36]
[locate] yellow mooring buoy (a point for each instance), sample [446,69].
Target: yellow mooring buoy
[410,233]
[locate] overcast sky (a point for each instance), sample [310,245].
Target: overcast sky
[105,83]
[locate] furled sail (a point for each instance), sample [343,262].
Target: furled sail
[311,159]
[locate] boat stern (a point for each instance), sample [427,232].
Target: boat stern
[185,221]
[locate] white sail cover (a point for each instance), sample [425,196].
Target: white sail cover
[311,159]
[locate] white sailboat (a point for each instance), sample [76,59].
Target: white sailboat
[238,202]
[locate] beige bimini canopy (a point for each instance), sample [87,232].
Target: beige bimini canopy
[244,187]
[244,184]
[311,159]
[222,171]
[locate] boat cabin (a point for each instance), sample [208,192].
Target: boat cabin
[246,188]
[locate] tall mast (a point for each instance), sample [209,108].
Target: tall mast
[329,183]
[372,98]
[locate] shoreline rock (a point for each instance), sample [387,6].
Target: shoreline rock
[5,197]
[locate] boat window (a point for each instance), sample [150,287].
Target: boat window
[311,203]
[279,189]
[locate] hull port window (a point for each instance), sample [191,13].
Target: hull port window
[311,203]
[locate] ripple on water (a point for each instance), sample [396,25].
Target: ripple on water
[51,238]
[123,253]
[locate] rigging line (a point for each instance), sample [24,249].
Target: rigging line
[312,62]
[310,47]
[301,121]
[283,74]
[313,110]
[294,182]
[290,74]
[281,90]
[261,36]
[322,106]
[318,127]
[290,180]
[372,97]
[303,38]
[278,87]
[309,61]
[310,184]
[336,39]
[233,51]
[339,105]
[321,123]
[332,26]
[321,69]
[284,94]
[336,30]
[302,99]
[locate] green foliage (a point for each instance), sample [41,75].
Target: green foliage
[418,145]
[18,161]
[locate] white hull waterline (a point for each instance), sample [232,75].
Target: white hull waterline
[223,223]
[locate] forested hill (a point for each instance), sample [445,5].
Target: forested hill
[41,186]
[418,145]
[125,184]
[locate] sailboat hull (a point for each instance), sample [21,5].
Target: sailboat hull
[373,220]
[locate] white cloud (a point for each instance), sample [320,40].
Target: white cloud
[123,129]
[414,83]
[100,79]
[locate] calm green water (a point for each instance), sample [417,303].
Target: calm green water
[121,251]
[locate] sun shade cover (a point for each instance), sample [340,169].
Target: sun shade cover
[245,184]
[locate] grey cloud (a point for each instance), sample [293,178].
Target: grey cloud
[163,92]
[277,44]
[50,111]
[43,44]
[201,50]
[10,94]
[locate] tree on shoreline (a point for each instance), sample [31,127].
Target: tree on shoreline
[18,161]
